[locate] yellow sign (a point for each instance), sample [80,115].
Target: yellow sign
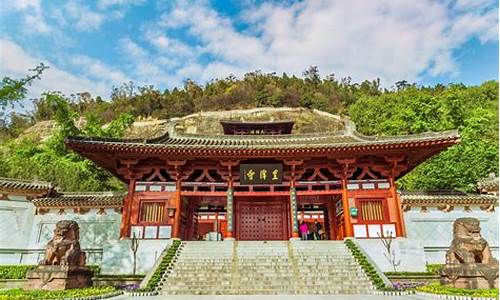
[261,173]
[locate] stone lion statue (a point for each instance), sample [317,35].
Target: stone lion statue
[468,246]
[469,263]
[64,247]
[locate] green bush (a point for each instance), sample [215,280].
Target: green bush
[162,267]
[370,271]
[19,294]
[120,276]
[15,271]
[19,271]
[409,274]
[436,288]
[433,268]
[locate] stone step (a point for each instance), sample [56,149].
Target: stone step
[190,291]
[257,267]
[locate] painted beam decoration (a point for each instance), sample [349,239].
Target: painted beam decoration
[261,174]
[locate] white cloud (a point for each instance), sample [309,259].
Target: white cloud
[95,69]
[132,49]
[33,18]
[392,40]
[82,17]
[15,62]
[104,4]
[468,4]
[169,45]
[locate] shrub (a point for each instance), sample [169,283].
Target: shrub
[162,267]
[19,294]
[409,274]
[367,267]
[436,288]
[19,271]
[15,271]
[433,268]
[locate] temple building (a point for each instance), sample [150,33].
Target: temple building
[255,175]
[259,177]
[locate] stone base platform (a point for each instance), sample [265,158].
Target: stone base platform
[470,276]
[53,278]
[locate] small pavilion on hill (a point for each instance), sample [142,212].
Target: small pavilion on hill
[258,179]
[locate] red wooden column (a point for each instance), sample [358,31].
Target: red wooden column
[332,218]
[348,230]
[175,172]
[178,210]
[397,203]
[347,168]
[130,172]
[396,165]
[127,206]
[227,174]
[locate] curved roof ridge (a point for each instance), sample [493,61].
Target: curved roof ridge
[427,134]
[25,180]
[187,138]
[97,193]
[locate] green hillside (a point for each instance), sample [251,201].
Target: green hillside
[403,109]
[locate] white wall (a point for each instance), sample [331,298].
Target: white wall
[16,223]
[434,229]
[24,235]
[409,252]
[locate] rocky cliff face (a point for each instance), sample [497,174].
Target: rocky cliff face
[306,120]
[208,123]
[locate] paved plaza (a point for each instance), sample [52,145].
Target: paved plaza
[274,297]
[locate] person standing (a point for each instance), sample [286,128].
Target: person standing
[304,230]
[317,230]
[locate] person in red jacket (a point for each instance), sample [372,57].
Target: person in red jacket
[304,230]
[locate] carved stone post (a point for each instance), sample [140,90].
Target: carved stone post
[226,172]
[293,209]
[229,211]
[293,176]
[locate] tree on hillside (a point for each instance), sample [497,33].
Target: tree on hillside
[471,110]
[405,109]
[14,90]
[28,159]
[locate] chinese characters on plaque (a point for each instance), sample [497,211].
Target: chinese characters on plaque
[261,173]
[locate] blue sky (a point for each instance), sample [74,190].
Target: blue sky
[95,45]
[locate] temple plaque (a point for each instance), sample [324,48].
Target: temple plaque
[261,174]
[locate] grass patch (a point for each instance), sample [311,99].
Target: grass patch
[437,288]
[369,270]
[120,276]
[162,267]
[433,268]
[19,294]
[409,274]
[19,271]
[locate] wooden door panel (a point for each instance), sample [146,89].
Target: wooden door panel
[249,222]
[261,220]
[273,222]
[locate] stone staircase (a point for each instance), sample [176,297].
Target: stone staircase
[265,268]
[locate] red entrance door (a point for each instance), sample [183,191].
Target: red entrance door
[261,221]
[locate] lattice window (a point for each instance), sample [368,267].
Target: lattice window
[153,212]
[372,210]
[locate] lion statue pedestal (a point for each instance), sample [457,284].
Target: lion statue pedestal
[469,263]
[64,264]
